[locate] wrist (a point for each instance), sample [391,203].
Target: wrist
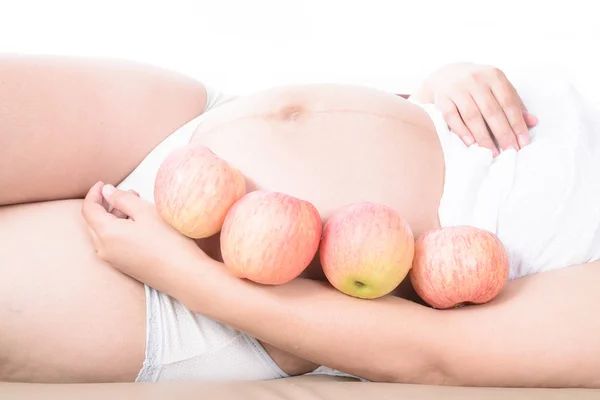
[207,287]
[425,93]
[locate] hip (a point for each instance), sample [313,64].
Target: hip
[182,345]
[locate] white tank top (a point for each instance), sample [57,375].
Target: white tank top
[543,201]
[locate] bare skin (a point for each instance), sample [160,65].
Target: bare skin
[98,118]
[66,316]
[340,130]
[370,144]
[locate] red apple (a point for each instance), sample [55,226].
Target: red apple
[270,237]
[367,250]
[459,265]
[194,189]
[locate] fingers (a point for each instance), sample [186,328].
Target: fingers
[127,203]
[471,115]
[454,120]
[513,108]
[93,210]
[480,105]
[496,118]
[119,213]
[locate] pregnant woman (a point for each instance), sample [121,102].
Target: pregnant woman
[72,308]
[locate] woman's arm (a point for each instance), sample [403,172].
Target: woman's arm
[542,331]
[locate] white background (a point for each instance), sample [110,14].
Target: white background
[240,46]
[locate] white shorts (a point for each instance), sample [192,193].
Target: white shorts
[180,344]
[543,201]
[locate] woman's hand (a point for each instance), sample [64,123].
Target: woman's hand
[479,103]
[128,233]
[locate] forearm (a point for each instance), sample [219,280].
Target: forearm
[424,93]
[388,339]
[531,338]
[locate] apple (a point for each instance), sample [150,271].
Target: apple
[270,237]
[459,265]
[194,189]
[366,250]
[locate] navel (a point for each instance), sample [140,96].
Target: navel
[291,113]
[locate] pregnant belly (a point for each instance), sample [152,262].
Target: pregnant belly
[333,145]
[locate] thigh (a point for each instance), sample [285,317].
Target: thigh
[66,123]
[65,316]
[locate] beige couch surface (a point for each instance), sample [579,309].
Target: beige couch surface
[298,388]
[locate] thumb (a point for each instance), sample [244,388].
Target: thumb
[125,202]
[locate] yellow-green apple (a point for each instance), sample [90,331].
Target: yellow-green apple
[366,250]
[270,237]
[459,265]
[194,189]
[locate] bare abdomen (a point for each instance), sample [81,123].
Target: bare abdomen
[333,145]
